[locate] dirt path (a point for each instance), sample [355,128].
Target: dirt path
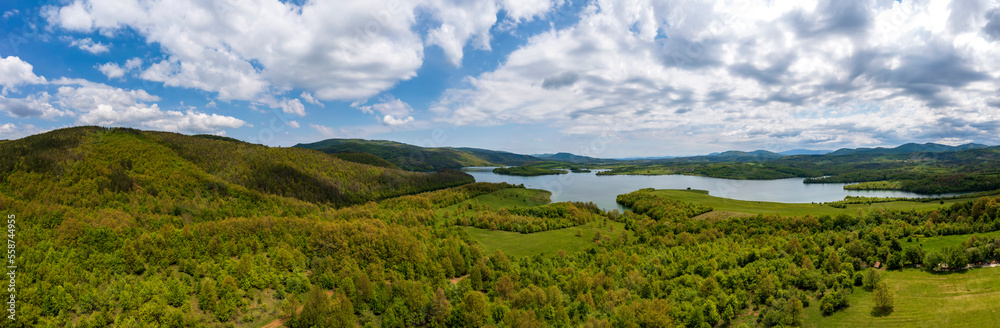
[456,280]
[278,323]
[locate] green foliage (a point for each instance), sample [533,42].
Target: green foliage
[660,208]
[416,158]
[882,297]
[529,219]
[875,185]
[872,278]
[527,171]
[365,158]
[833,301]
[921,172]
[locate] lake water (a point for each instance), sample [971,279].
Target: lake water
[602,190]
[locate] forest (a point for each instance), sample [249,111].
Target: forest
[130,228]
[415,158]
[527,171]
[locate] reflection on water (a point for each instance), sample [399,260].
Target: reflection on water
[602,190]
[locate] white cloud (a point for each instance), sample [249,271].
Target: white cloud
[100,104]
[392,121]
[287,106]
[293,124]
[88,45]
[133,64]
[10,13]
[519,10]
[217,71]
[193,121]
[111,70]
[15,72]
[308,97]
[388,106]
[36,105]
[344,50]
[14,131]
[726,73]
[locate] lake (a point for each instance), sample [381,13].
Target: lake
[602,190]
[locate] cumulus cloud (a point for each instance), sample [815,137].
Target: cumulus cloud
[36,105]
[287,106]
[100,104]
[392,121]
[308,97]
[111,70]
[17,131]
[830,73]
[387,106]
[336,50]
[88,45]
[133,64]
[15,72]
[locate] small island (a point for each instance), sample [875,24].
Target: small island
[527,171]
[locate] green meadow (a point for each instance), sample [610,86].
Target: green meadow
[969,298]
[936,244]
[540,243]
[511,197]
[546,242]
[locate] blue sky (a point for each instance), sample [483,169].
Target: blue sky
[598,78]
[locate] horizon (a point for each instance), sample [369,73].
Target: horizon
[591,78]
[825,151]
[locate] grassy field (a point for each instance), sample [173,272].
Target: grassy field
[511,197]
[937,243]
[968,298]
[790,209]
[546,242]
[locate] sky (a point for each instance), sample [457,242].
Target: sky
[598,78]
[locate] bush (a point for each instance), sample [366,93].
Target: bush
[833,301]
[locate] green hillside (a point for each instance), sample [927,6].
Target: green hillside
[128,165]
[365,158]
[416,158]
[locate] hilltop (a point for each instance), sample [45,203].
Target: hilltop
[416,158]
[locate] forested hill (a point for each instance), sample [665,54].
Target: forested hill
[121,165]
[417,158]
[908,148]
[573,158]
[730,156]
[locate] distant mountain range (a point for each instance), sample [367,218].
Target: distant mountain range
[391,154]
[908,148]
[567,157]
[730,156]
[804,152]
